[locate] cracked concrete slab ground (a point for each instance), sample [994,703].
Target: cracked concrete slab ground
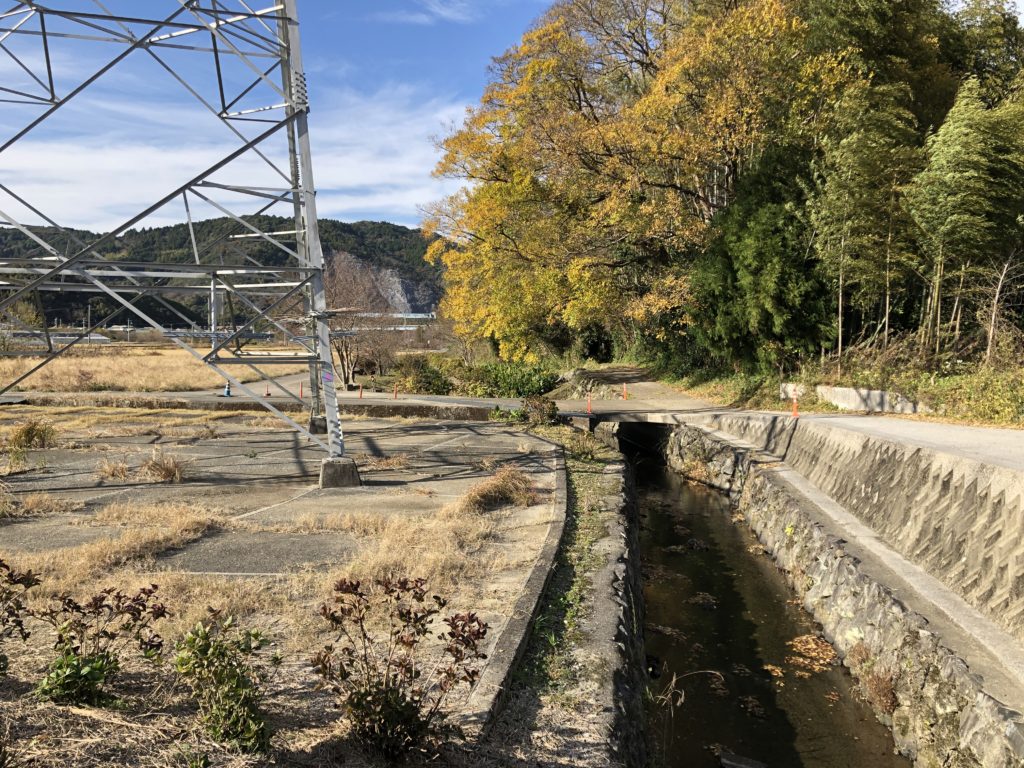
[271,528]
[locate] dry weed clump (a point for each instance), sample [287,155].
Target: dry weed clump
[442,548]
[113,469]
[508,487]
[195,595]
[147,531]
[345,522]
[162,468]
[379,463]
[34,433]
[879,689]
[8,505]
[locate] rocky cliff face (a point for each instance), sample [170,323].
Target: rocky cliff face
[405,294]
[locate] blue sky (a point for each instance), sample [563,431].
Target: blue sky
[408,68]
[402,72]
[386,78]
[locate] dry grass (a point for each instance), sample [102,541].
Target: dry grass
[33,505]
[113,469]
[101,421]
[378,463]
[122,369]
[486,464]
[37,504]
[8,505]
[508,487]
[34,433]
[192,595]
[163,468]
[314,523]
[879,688]
[445,549]
[147,531]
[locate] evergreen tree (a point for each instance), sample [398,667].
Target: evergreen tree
[954,202]
[994,43]
[862,231]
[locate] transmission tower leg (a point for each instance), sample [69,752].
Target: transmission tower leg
[337,470]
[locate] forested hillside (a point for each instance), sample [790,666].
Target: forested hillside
[745,185]
[382,246]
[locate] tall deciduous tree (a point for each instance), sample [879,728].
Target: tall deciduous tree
[598,166]
[994,43]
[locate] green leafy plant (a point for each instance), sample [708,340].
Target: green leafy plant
[416,374]
[517,380]
[505,380]
[511,416]
[190,758]
[13,586]
[93,636]
[220,663]
[392,698]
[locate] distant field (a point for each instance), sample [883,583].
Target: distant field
[124,369]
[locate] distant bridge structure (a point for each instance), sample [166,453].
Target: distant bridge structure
[238,65]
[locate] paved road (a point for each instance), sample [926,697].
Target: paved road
[1001,447]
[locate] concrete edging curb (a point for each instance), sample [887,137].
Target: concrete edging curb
[488,697]
[442,411]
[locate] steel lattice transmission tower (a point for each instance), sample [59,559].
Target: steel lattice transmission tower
[239,66]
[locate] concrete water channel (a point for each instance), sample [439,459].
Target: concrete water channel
[740,676]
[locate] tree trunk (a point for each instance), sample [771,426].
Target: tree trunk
[888,278]
[954,319]
[839,370]
[936,321]
[994,316]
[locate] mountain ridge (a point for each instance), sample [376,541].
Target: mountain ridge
[394,252]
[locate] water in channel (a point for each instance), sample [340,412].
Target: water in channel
[755,680]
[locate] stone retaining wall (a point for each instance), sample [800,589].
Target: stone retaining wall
[937,708]
[625,601]
[960,520]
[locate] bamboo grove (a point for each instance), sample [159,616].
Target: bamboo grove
[744,184]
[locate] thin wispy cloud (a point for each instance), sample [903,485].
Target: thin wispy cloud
[405,17]
[452,10]
[429,12]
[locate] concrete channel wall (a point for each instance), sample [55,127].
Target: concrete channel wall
[960,520]
[948,698]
